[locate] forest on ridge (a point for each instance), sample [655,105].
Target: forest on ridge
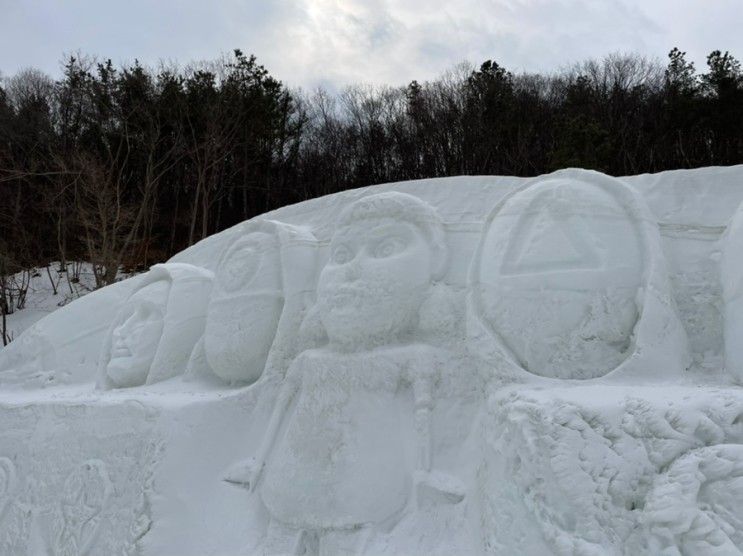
[125,166]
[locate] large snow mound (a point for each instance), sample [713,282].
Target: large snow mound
[471,365]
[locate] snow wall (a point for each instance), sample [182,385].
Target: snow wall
[470,365]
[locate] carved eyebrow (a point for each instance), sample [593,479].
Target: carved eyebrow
[147,308]
[397,228]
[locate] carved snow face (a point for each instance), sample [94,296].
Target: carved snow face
[371,289]
[136,337]
[560,269]
[245,308]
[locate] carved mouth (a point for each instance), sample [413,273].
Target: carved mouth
[120,350]
[341,299]
[349,290]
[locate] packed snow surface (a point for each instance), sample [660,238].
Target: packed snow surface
[472,365]
[46,290]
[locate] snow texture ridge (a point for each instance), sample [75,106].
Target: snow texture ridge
[473,365]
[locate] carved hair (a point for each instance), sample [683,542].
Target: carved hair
[406,208]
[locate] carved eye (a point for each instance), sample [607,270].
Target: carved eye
[148,311]
[341,254]
[241,265]
[388,247]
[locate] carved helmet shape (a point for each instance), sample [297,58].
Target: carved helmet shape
[262,271]
[569,280]
[153,334]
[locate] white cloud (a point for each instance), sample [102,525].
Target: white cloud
[307,42]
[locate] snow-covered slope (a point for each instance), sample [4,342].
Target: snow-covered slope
[46,290]
[465,365]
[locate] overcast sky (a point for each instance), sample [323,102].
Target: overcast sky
[336,42]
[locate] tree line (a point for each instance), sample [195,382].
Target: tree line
[125,166]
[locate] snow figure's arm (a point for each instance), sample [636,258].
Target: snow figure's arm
[248,473]
[423,397]
[430,486]
[286,395]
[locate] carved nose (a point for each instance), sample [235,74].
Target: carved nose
[123,328]
[353,270]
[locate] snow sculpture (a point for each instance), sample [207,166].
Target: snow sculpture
[588,468]
[154,333]
[76,521]
[7,484]
[731,276]
[262,286]
[28,360]
[14,526]
[379,420]
[569,281]
[335,462]
[52,353]
[696,507]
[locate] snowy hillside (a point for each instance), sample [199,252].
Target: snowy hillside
[45,290]
[470,365]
